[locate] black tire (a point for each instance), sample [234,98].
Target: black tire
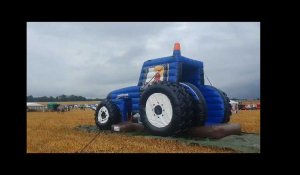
[199,115]
[181,103]
[227,106]
[114,115]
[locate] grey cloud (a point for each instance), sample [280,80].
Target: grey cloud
[91,59]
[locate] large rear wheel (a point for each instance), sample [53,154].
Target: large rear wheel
[166,109]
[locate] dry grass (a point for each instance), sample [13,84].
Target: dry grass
[249,120]
[251,102]
[50,132]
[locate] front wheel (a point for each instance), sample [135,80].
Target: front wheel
[107,114]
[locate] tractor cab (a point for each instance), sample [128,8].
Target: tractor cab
[175,68]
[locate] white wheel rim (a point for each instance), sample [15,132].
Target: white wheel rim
[103,115]
[159,110]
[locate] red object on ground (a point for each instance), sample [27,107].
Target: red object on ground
[258,106]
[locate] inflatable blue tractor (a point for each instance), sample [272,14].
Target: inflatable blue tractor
[170,97]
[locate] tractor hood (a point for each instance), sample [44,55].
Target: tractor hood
[128,92]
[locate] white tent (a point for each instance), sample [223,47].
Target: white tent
[234,106]
[35,107]
[34,104]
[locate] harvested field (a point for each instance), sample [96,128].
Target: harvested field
[250,102]
[249,120]
[50,132]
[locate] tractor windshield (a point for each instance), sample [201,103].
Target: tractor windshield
[192,72]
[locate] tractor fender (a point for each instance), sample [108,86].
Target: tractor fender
[200,107]
[193,91]
[219,109]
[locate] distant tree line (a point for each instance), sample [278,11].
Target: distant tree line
[30,98]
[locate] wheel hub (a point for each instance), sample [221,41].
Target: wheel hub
[157,109]
[103,115]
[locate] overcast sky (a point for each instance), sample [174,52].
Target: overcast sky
[91,59]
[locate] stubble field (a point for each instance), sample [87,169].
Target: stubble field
[52,132]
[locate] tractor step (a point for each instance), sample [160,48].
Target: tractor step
[213,131]
[127,127]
